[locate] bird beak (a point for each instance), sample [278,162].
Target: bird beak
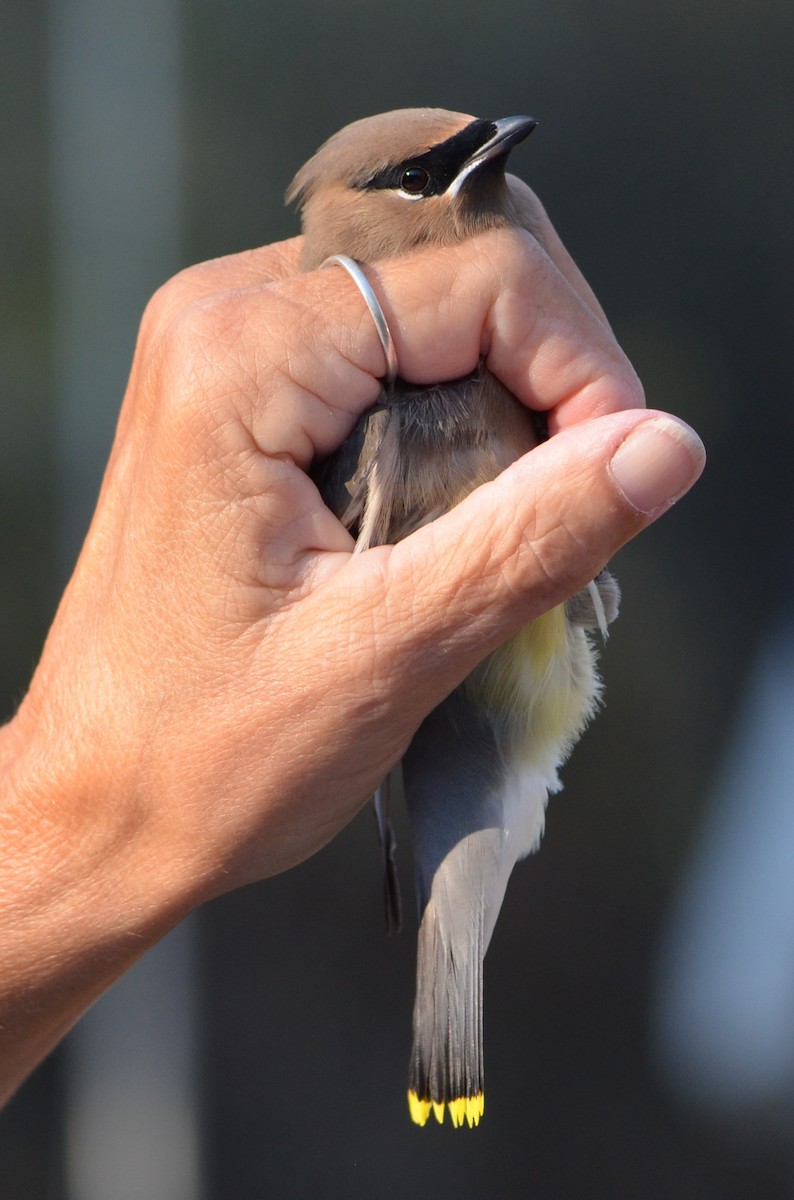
[508,132]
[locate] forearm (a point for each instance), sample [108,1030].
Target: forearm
[80,900]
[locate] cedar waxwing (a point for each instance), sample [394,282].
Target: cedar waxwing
[480,768]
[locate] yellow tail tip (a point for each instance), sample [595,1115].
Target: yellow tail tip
[419,1109]
[462,1108]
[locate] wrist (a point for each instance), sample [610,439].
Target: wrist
[83,894]
[73,828]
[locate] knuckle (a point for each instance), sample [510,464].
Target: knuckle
[544,562]
[509,250]
[623,385]
[170,298]
[192,359]
[554,562]
[633,391]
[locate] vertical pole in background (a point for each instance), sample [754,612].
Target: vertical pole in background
[116,166]
[131,1121]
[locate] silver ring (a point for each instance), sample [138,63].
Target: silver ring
[373,304]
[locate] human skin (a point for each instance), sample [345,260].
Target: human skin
[225,683]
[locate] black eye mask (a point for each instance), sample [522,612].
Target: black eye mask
[441,164]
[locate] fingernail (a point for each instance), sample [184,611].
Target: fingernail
[657,463]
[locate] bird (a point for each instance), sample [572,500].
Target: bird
[479,770]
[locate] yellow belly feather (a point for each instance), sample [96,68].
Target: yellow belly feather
[543,683]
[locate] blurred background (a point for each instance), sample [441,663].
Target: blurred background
[640,984]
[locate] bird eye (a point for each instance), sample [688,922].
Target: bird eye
[414,180]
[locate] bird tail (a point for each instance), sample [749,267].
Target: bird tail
[459,791]
[446,1069]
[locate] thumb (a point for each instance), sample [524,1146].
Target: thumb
[518,546]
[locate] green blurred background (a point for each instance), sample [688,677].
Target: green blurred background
[664,158]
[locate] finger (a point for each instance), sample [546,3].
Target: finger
[303,360]
[535,218]
[540,337]
[263,264]
[449,596]
[231,272]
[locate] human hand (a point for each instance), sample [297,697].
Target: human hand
[225,683]
[244,680]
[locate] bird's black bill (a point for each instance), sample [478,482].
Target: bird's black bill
[508,132]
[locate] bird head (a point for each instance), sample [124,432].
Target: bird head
[384,185]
